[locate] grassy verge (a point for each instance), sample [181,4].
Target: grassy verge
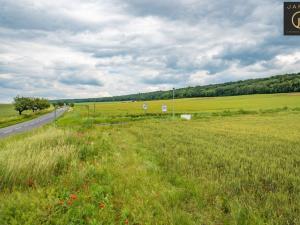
[9,117]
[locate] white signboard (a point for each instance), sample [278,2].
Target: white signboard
[164,108]
[186,116]
[145,106]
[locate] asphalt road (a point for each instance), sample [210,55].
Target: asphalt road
[29,125]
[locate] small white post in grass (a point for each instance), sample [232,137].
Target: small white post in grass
[164,108]
[55,115]
[173,103]
[145,107]
[94,113]
[88,108]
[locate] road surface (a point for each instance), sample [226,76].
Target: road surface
[28,125]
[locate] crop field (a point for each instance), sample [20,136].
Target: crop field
[196,105]
[8,116]
[236,162]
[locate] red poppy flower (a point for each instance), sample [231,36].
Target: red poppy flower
[70,202]
[73,196]
[101,205]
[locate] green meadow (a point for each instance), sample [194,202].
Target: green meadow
[236,162]
[8,116]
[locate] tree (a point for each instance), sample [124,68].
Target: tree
[34,104]
[21,104]
[38,104]
[42,103]
[60,104]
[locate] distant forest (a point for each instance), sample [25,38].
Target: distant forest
[275,84]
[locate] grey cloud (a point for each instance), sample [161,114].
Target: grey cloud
[77,80]
[16,15]
[108,53]
[162,79]
[10,83]
[161,8]
[192,11]
[24,15]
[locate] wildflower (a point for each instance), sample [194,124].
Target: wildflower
[73,196]
[30,182]
[101,205]
[70,202]
[126,221]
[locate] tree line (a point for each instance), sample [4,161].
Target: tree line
[62,103]
[275,84]
[30,103]
[35,104]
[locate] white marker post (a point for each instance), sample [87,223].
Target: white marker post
[173,103]
[94,113]
[164,108]
[88,108]
[55,107]
[145,107]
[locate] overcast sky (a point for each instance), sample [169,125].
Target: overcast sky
[89,48]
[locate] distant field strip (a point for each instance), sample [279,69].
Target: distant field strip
[249,102]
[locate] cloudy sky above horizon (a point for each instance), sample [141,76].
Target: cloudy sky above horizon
[89,48]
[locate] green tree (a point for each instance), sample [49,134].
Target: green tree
[34,104]
[42,103]
[21,104]
[38,104]
[60,104]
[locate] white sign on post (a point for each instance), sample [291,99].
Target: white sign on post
[164,108]
[145,106]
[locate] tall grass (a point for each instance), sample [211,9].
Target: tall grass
[34,159]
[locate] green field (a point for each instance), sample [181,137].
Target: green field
[8,116]
[196,105]
[236,162]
